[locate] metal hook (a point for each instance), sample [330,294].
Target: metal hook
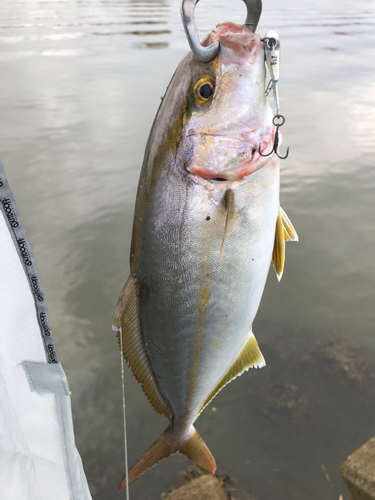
[206,54]
[254,10]
[276,139]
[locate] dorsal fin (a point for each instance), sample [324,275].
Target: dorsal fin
[250,356]
[126,322]
[284,232]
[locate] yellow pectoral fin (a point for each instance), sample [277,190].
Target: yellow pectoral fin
[126,322]
[284,232]
[250,356]
[229,202]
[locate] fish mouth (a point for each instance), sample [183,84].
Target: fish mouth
[221,159]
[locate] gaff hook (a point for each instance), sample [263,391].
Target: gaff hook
[275,148]
[206,54]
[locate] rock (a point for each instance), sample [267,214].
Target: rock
[203,488]
[229,484]
[358,472]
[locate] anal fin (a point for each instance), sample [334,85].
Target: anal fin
[250,356]
[284,232]
[126,322]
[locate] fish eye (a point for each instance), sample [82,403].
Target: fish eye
[206,91]
[203,89]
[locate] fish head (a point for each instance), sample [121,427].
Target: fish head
[227,114]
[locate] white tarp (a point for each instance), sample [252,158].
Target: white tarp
[38,457]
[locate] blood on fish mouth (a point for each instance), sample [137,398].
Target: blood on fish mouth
[236,174]
[234,167]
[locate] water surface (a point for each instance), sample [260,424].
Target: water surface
[81,82]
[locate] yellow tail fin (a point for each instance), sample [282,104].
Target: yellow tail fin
[193,447]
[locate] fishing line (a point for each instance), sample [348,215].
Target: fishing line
[124,415]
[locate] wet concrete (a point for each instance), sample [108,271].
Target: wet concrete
[358,472]
[201,488]
[196,484]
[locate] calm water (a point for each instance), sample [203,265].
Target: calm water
[80,85]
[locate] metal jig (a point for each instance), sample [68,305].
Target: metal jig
[276,139]
[272,54]
[206,54]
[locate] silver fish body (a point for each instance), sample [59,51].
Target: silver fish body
[207,225]
[197,312]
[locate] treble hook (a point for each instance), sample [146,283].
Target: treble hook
[276,139]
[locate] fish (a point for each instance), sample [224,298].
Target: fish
[207,225]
